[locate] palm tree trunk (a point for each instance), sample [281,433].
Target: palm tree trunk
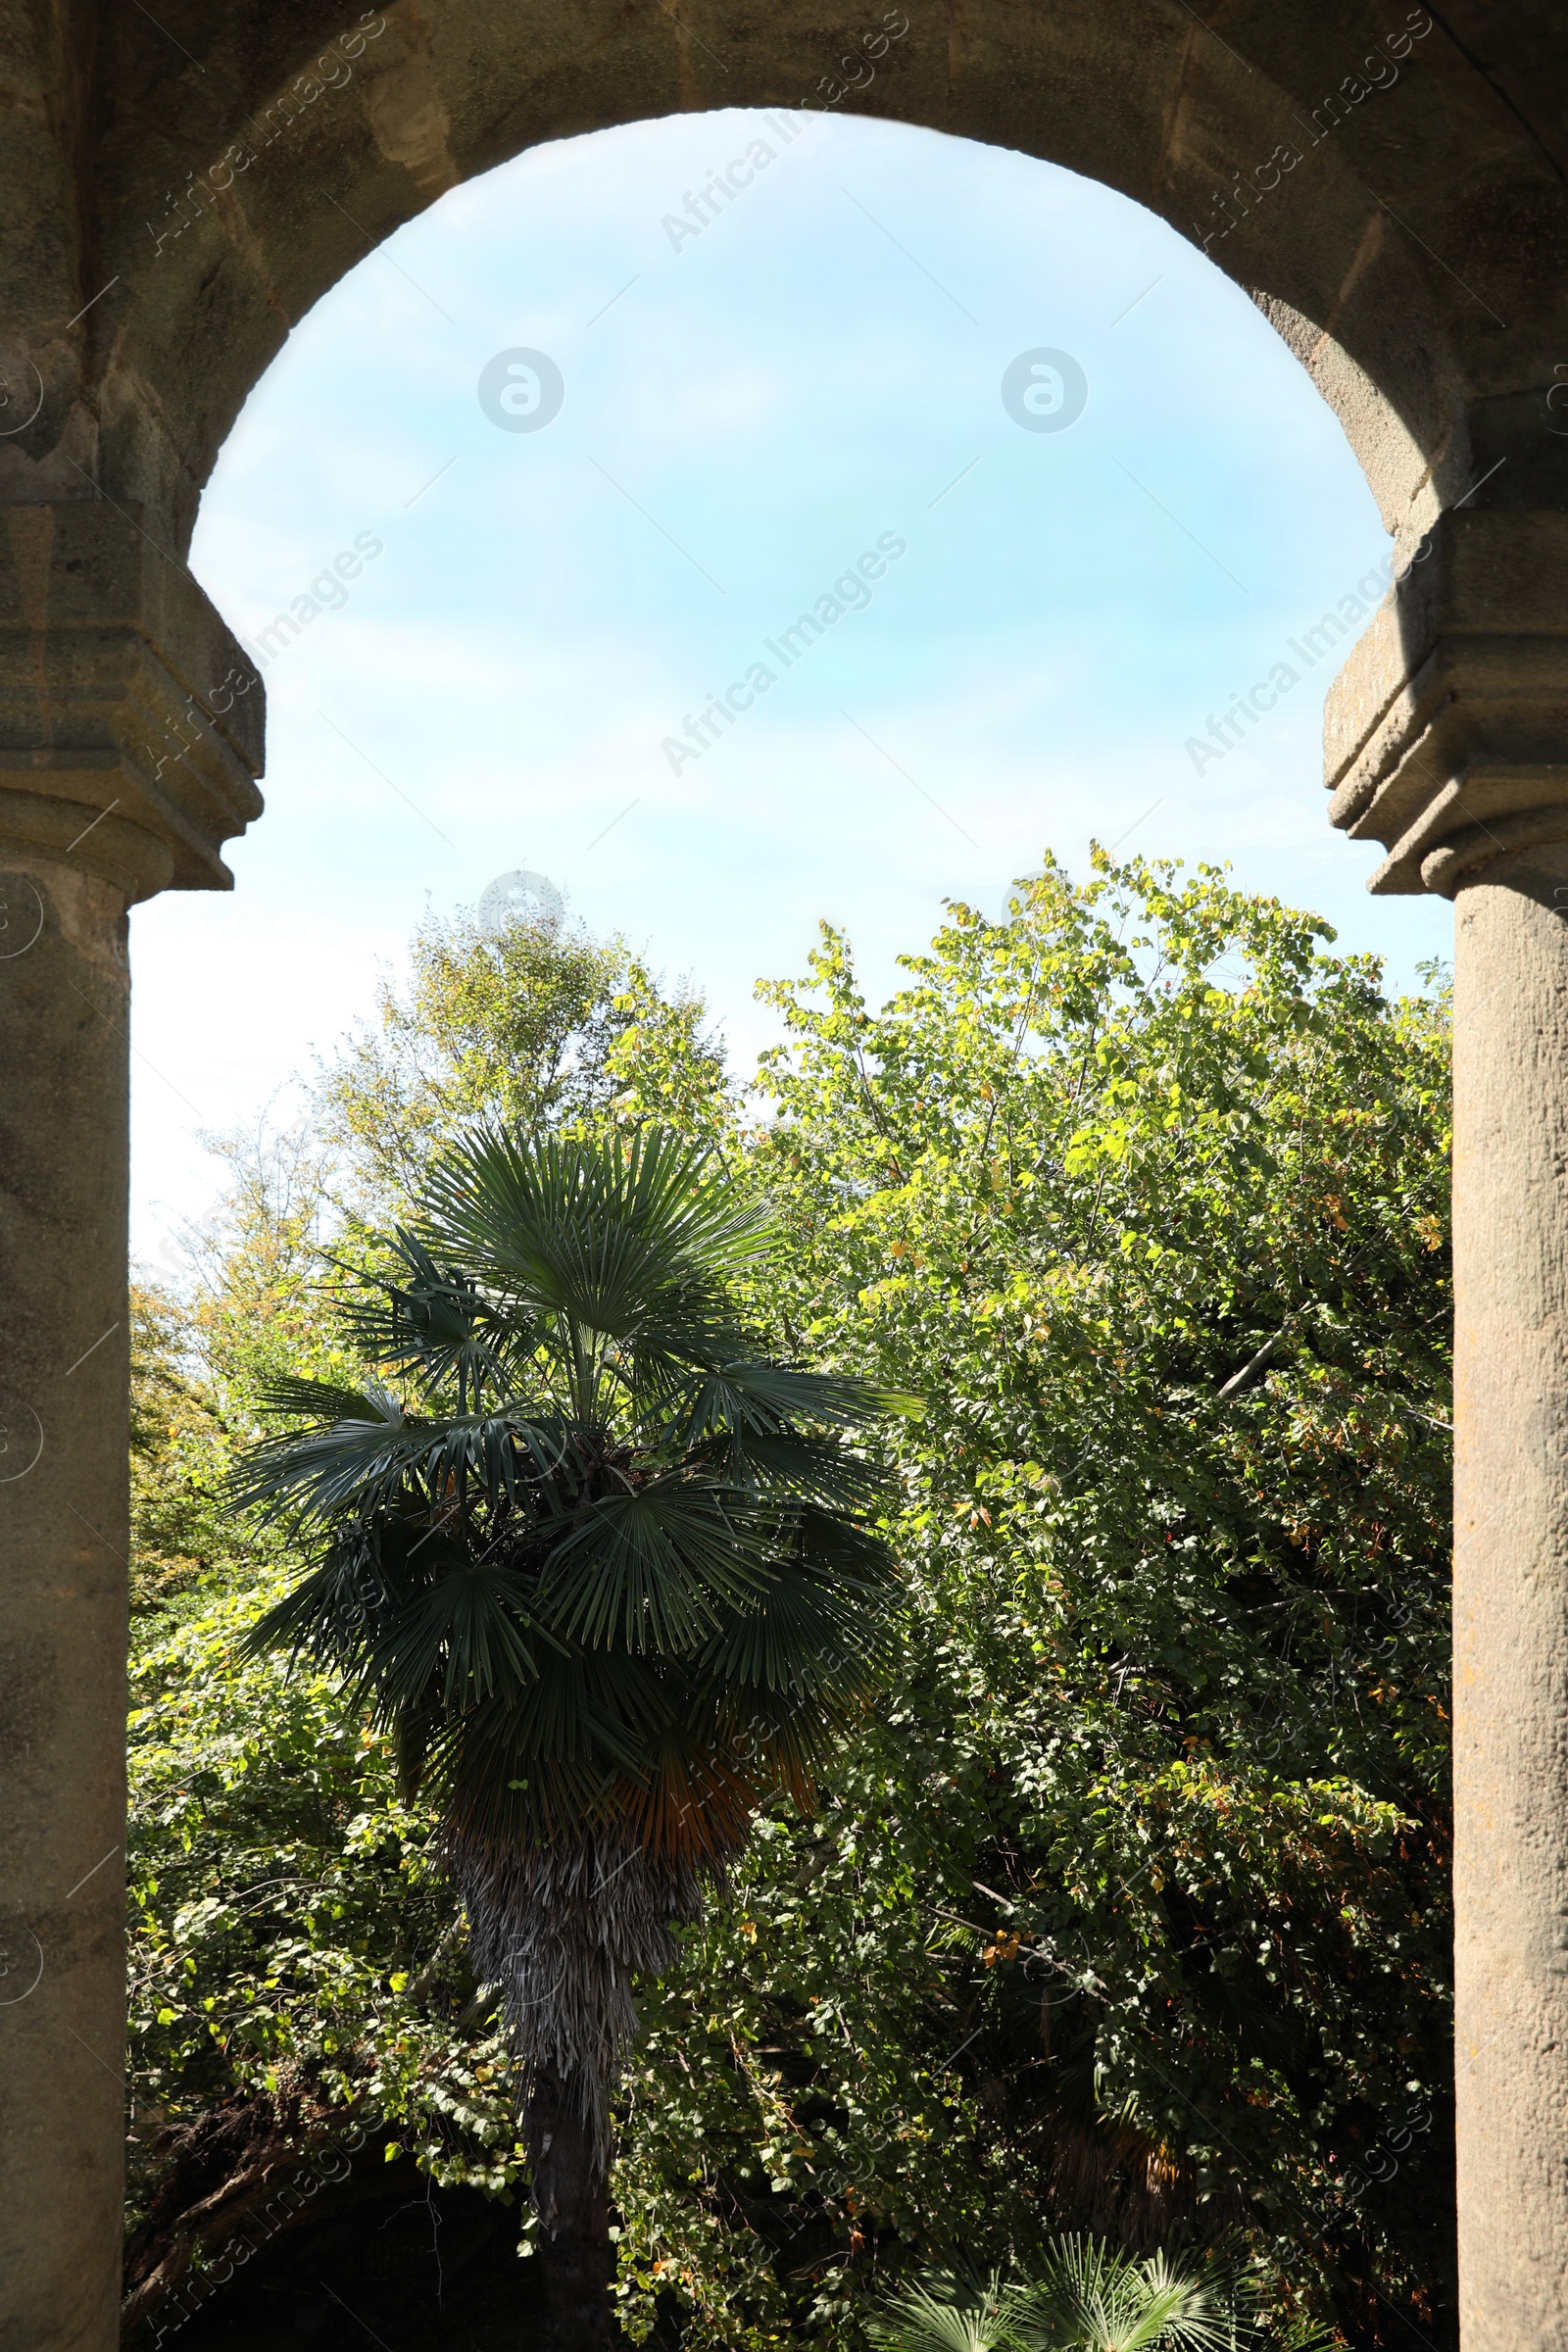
[565,1928]
[572,2195]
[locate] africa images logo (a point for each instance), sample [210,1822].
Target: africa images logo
[522,390]
[850,593]
[1044,390]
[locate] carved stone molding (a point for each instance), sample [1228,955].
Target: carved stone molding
[1447,732]
[131,721]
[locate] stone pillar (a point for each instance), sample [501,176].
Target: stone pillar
[129,736]
[1510,1633]
[1449,741]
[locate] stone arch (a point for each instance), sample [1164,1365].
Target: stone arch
[243,182]
[1410,258]
[207,182]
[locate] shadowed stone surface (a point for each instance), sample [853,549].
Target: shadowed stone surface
[64,1533]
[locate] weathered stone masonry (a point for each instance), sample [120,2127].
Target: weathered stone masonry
[173,195]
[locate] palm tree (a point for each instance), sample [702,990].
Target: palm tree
[1088,2296]
[953,2315]
[605,1572]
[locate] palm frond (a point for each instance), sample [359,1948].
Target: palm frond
[754,1396]
[602,1239]
[462,1639]
[374,1451]
[326,1616]
[713,1420]
[951,2315]
[806,1637]
[800,1466]
[1086,2296]
[1094,2297]
[651,1568]
[349,1441]
[429,1323]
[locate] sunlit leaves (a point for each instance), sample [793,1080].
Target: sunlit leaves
[1190,1653]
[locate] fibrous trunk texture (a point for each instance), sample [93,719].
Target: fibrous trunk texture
[562,1929]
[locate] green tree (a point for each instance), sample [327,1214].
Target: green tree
[253,1307]
[601,1569]
[1129,1911]
[179,1443]
[525,1023]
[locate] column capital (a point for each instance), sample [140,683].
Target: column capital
[131,719]
[1445,734]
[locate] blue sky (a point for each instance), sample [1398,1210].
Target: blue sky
[746,410]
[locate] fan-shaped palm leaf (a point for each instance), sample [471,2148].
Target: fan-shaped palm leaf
[1086,2296]
[951,2315]
[603,1241]
[1092,2295]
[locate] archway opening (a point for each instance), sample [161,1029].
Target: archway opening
[803,587]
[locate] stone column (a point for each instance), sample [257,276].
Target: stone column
[129,736]
[1449,741]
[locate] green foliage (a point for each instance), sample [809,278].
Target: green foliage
[1126,1911]
[178,1450]
[1150,1845]
[286,1919]
[953,2315]
[523,1025]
